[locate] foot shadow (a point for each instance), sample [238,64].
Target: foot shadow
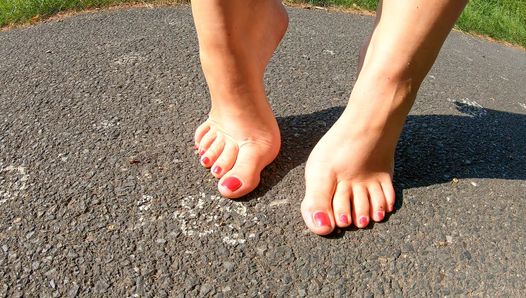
[433,149]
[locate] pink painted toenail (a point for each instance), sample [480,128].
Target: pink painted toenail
[195,147]
[205,160]
[322,219]
[232,183]
[343,219]
[364,221]
[202,152]
[380,215]
[216,170]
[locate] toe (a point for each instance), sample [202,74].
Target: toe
[377,200]
[316,207]
[341,204]
[200,132]
[226,160]
[207,141]
[360,206]
[213,152]
[244,175]
[389,193]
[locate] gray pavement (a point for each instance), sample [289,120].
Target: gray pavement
[101,193]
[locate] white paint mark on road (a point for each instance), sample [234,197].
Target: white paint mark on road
[129,59]
[234,239]
[469,107]
[202,215]
[143,205]
[278,202]
[13,180]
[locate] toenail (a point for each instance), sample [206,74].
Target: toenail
[322,219]
[195,147]
[202,152]
[216,170]
[364,221]
[380,215]
[344,219]
[232,183]
[205,160]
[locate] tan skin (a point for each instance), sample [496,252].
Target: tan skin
[349,172]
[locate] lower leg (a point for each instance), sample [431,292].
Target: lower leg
[241,135]
[349,172]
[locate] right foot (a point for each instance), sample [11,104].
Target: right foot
[241,135]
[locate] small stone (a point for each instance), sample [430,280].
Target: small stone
[229,266]
[74,290]
[52,284]
[101,286]
[4,248]
[449,239]
[160,241]
[35,265]
[205,289]
[30,234]
[261,251]
[226,289]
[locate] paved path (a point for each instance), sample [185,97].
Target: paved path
[101,193]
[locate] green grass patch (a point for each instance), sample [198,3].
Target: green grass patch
[19,11]
[500,19]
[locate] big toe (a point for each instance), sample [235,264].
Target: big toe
[316,207]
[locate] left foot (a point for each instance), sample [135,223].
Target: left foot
[349,172]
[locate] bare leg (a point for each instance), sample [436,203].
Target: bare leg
[349,172]
[236,41]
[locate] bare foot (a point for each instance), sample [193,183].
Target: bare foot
[349,172]
[241,135]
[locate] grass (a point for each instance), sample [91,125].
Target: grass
[19,11]
[499,19]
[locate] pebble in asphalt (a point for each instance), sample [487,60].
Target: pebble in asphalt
[101,193]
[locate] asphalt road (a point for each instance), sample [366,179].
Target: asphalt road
[101,193]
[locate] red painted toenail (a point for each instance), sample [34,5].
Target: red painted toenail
[343,219]
[202,152]
[364,221]
[195,147]
[205,160]
[216,170]
[232,183]
[322,219]
[380,215]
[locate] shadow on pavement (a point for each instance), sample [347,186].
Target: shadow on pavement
[433,149]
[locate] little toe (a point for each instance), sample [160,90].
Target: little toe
[341,205]
[389,193]
[360,206]
[244,175]
[226,160]
[316,207]
[214,151]
[377,200]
